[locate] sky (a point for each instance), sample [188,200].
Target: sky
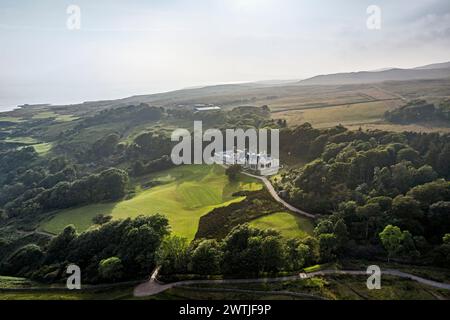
[133,47]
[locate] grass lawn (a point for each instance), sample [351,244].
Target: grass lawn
[288,224]
[11,119]
[58,117]
[23,140]
[355,114]
[187,193]
[106,294]
[42,148]
[14,282]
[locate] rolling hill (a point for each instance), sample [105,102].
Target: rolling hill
[435,71]
[442,65]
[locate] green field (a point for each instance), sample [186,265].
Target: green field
[58,117]
[186,194]
[12,288]
[67,295]
[366,112]
[15,282]
[22,140]
[288,224]
[42,148]
[11,119]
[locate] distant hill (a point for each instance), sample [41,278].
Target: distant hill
[442,65]
[433,71]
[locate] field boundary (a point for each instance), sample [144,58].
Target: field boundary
[331,105]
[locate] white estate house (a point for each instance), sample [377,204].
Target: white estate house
[203,108]
[260,163]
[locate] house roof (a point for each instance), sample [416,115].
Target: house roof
[207,108]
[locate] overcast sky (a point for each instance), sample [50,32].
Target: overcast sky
[137,47]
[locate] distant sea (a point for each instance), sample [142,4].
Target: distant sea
[13,95]
[8,103]
[4,108]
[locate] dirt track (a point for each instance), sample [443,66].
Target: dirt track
[153,286]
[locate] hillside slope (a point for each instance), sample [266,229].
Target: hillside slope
[377,76]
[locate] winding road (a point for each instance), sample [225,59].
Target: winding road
[277,198]
[153,286]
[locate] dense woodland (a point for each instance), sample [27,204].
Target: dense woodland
[362,182]
[420,111]
[118,250]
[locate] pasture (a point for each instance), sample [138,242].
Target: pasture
[288,224]
[184,195]
[56,116]
[349,114]
[43,148]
